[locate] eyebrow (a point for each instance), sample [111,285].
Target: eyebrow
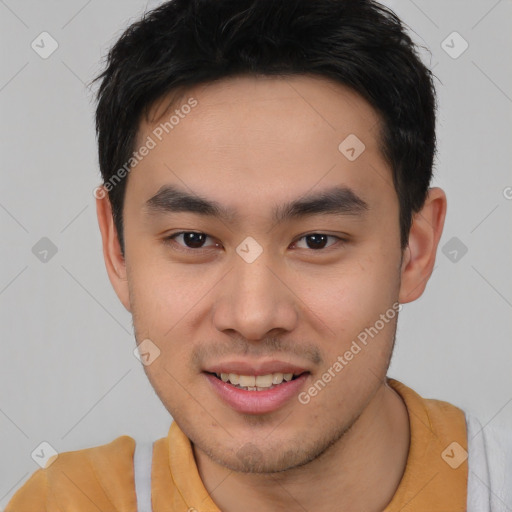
[333,201]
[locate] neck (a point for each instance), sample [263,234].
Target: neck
[360,472]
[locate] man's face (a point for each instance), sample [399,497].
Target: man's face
[264,290]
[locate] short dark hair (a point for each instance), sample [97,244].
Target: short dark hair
[358,43]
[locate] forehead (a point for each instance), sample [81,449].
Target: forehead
[266,134]
[320,102]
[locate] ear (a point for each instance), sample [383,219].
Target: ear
[420,254]
[114,260]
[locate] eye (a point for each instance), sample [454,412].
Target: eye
[190,239]
[316,241]
[194,241]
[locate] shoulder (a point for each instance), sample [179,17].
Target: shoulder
[99,477]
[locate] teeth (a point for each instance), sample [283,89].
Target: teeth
[277,378]
[247,381]
[264,381]
[256,383]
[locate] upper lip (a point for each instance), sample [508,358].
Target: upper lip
[255,368]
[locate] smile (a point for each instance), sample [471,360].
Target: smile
[256,382]
[256,394]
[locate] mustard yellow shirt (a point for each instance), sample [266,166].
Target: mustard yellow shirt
[102,478]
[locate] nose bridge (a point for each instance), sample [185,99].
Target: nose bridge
[254,280]
[253,300]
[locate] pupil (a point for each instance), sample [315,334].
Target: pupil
[319,241]
[194,240]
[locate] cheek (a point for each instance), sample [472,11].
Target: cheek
[352,297]
[161,293]
[166,300]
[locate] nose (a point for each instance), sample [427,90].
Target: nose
[255,300]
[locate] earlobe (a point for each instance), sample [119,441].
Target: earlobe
[420,255]
[114,260]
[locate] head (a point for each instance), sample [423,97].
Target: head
[266,203]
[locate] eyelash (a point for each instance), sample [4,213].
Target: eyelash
[171,239]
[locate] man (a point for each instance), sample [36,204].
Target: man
[265,211]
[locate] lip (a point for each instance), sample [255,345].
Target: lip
[257,402]
[257,368]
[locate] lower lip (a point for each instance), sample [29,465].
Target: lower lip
[257,402]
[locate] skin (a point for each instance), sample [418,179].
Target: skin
[252,143]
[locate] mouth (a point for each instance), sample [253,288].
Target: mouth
[248,393]
[256,382]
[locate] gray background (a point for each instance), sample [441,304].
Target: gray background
[67,372]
